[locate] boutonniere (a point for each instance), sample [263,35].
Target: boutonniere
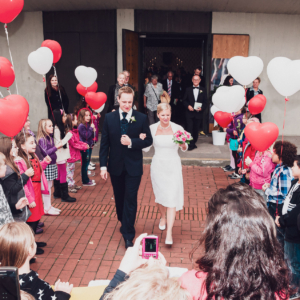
[200,91]
[132,119]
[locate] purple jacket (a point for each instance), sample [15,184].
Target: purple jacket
[47,145]
[86,134]
[237,124]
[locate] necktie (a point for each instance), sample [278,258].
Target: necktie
[169,88]
[124,124]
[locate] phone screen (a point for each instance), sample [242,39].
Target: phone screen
[150,245]
[9,287]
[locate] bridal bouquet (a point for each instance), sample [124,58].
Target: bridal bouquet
[181,137]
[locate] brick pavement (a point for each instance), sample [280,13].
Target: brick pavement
[84,242]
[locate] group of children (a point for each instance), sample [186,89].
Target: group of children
[275,175]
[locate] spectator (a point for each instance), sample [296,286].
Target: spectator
[127,78]
[242,258]
[252,92]
[276,191]
[55,96]
[152,98]
[113,93]
[288,220]
[228,81]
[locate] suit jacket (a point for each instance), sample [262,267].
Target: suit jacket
[189,99]
[250,94]
[175,91]
[116,156]
[111,98]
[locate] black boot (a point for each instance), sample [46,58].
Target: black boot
[57,193]
[64,193]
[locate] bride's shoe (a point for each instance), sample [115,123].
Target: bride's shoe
[169,242]
[161,227]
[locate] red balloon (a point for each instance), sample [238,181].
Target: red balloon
[7,76]
[10,10]
[55,48]
[223,118]
[82,90]
[14,110]
[261,136]
[95,100]
[257,104]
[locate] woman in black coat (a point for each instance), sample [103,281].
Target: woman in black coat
[253,91]
[112,95]
[52,97]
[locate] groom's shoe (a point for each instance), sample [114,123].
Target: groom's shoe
[128,244]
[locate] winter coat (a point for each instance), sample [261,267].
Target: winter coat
[13,188]
[5,215]
[62,153]
[261,169]
[86,134]
[48,146]
[248,150]
[237,124]
[75,145]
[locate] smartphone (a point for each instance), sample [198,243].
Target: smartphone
[150,247]
[9,283]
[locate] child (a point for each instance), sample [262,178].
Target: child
[46,142]
[75,145]
[27,159]
[63,154]
[86,134]
[17,248]
[5,215]
[288,220]
[283,156]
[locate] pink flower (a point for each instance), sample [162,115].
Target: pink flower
[188,136]
[178,139]
[183,139]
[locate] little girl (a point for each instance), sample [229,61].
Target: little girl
[28,159]
[86,134]
[46,142]
[75,145]
[12,183]
[17,248]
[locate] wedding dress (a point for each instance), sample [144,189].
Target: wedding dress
[166,169]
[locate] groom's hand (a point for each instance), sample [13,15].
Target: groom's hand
[103,174]
[125,140]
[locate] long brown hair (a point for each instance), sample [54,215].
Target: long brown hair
[20,140]
[69,122]
[48,88]
[243,258]
[5,147]
[81,116]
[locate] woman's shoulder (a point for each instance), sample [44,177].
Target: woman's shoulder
[177,127]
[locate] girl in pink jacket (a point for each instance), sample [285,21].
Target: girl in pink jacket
[261,169]
[75,145]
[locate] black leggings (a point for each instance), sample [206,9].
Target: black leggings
[235,157]
[33,225]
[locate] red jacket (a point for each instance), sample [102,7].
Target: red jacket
[75,145]
[248,150]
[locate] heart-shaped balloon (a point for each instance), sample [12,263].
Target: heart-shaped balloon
[284,75]
[229,98]
[214,109]
[95,100]
[10,9]
[82,90]
[13,114]
[86,75]
[257,104]
[41,60]
[55,47]
[245,69]
[223,118]
[99,110]
[7,76]
[261,136]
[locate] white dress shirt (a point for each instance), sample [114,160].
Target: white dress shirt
[196,92]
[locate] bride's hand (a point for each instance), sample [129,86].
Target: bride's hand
[183,146]
[143,136]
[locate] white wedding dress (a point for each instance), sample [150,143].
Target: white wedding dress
[166,169]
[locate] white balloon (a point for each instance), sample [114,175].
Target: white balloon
[245,69]
[214,109]
[41,60]
[86,75]
[229,98]
[284,75]
[99,110]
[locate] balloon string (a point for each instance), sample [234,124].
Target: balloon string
[8,91]
[12,62]
[1,95]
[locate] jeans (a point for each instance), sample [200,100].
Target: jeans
[85,161]
[292,255]
[280,230]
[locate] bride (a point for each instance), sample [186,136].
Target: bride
[166,169]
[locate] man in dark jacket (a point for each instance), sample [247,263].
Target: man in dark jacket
[252,92]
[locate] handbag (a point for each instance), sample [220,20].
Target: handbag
[233,144]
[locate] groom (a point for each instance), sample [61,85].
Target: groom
[122,148]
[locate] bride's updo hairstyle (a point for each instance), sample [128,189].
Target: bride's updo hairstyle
[163,106]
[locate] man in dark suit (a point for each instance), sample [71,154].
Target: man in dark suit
[121,156]
[172,88]
[194,94]
[127,77]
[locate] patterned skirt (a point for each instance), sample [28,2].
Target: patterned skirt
[51,172]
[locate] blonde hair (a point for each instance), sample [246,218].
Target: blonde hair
[147,283]
[16,239]
[126,90]
[42,133]
[163,106]
[26,296]
[165,98]
[122,73]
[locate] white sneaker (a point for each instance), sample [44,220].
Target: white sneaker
[91,168]
[92,164]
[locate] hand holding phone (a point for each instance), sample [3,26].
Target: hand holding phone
[150,247]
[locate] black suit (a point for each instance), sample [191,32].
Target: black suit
[249,96]
[175,94]
[194,118]
[124,164]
